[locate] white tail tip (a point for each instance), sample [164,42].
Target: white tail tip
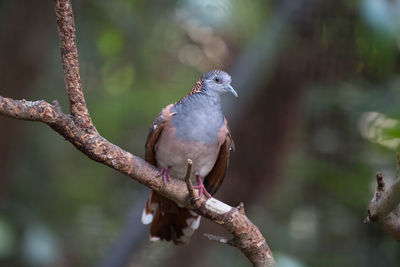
[147,217]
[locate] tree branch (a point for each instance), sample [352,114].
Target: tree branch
[381,208]
[189,184]
[385,201]
[69,58]
[79,130]
[29,110]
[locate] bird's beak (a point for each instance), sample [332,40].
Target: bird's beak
[230,89]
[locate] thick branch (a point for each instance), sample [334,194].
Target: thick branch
[391,224]
[386,202]
[246,236]
[69,58]
[30,110]
[78,129]
[381,208]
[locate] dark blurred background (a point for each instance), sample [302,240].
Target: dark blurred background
[317,116]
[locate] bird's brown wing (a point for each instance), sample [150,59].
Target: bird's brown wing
[216,176]
[168,221]
[154,133]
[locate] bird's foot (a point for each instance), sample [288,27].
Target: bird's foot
[201,188]
[164,172]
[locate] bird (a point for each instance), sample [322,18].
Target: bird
[192,128]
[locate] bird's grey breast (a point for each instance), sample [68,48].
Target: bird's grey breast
[198,119]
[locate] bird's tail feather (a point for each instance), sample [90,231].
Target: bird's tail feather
[168,221]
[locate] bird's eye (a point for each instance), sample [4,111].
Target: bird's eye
[217,80]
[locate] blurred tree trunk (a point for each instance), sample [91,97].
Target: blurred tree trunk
[22,51]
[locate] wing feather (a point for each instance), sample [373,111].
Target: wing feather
[155,131]
[216,176]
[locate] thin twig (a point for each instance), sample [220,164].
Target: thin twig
[380,188]
[241,208]
[189,184]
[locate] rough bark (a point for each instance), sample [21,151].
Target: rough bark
[70,62]
[78,129]
[383,208]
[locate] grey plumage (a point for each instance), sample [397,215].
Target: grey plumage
[199,115]
[198,119]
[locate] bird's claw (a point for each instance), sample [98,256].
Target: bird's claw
[166,177]
[201,188]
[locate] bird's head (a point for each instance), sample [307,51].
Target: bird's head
[218,81]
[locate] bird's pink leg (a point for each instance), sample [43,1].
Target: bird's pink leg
[164,172]
[202,189]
